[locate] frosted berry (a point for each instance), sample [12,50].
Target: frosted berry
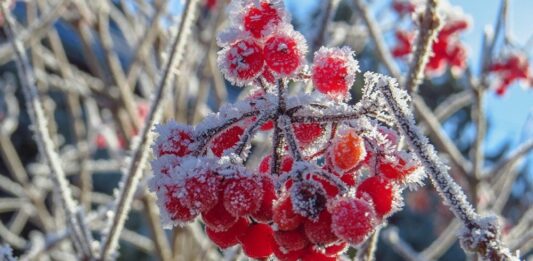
[319,231]
[284,216]
[284,51]
[264,213]
[174,139]
[380,191]
[242,61]
[291,240]
[352,219]
[242,195]
[201,191]
[286,164]
[226,140]
[258,241]
[347,151]
[333,71]
[335,249]
[399,170]
[228,238]
[260,17]
[312,254]
[218,218]
[308,198]
[176,210]
[283,255]
[307,133]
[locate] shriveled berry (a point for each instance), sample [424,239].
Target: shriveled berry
[226,140]
[319,231]
[380,192]
[333,71]
[260,17]
[291,240]
[352,219]
[284,52]
[242,195]
[218,218]
[242,61]
[308,198]
[258,241]
[347,151]
[228,238]
[284,216]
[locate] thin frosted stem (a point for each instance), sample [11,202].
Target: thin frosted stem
[141,149]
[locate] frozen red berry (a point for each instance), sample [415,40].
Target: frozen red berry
[226,140]
[201,190]
[308,198]
[242,195]
[381,193]
[218,218]
[242,61]
[265,164]
[258,241]
[285,51]
[264,213]
[175,208]
[312,254]
[174,139]
[399,170]
[319,231]
[352,219]
[228,238]
[283,255]
[259,17]
[291,240]
[333,71]
[347,151]
[284,216]
[307,133]
[335,249]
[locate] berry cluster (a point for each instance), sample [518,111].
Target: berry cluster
[335,170]
[513,67]
[447,49]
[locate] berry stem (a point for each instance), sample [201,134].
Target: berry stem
[251,130]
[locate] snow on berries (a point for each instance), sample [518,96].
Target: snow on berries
[334,70]
[333,173]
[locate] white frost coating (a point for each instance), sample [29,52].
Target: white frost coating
[6,253]
[452,194]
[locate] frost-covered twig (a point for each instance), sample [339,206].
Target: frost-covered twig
[141,149]
[368,249]
[515,156]
[430,24]
[480,234]
[81,239]
[443,242]
[391,236]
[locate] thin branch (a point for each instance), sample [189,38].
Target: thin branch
[44,141]
[140,150]
[391,236]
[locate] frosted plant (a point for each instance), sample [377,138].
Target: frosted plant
[300,202]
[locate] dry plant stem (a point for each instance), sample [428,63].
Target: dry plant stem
[81,239]
[141,149]
[441,244]
[451,193]
[367,250]
[501,166]
[158,234]
[430,24]
[478,148]
[375,33]
[391,237]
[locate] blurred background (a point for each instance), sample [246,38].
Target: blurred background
[97,62]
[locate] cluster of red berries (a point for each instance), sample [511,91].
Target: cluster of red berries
[330,179]
[513,67]
[448,51]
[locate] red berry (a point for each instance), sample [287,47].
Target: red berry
[397,171]
[201,191]
[308,198]
[264,214]
[315,255]
[319,231]
[333,71]
[284,216]
[258,241]
[286,164]
[242,195]
[218,218]
[352,219]
[260,17]
[347,151]
[307,133]
[176,210]
[225,239]
[291,240]
[380,192]
[242,61]
[284,51]
[283,255]
[174,139]
[335,249]
[329,187]
[226,140]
